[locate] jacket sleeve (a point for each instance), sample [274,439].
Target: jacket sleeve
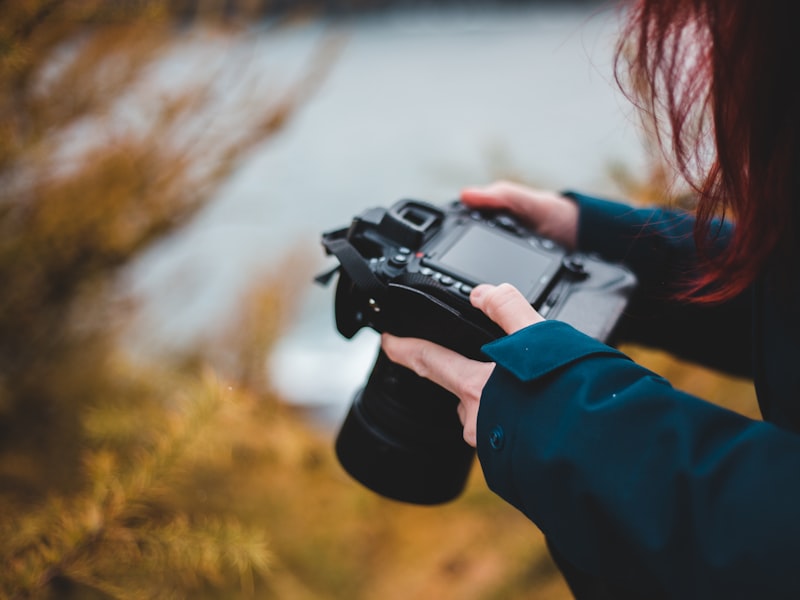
[658,246]
[634,481]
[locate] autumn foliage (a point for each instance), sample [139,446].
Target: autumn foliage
[123,478]
[98,456]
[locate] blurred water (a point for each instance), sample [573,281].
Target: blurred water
[419,104]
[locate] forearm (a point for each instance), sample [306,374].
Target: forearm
[634,480]
[658,246]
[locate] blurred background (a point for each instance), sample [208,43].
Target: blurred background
[420,100]
[171,381]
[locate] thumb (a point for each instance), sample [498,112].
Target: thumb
[505,305]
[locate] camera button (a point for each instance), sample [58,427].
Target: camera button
[547,244]
[506,222]
[497,438]
[426,271]
[398,260]
[576,267]
[465,289]
[446,280]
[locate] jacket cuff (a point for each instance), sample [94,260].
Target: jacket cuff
[542,348]
[521,400]
[607,227]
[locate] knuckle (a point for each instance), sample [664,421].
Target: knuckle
[421,363]
[464,391]
[470,388]
[504,290]
[468,436]
[503,187]
[500,297]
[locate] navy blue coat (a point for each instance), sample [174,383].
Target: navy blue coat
[630,479]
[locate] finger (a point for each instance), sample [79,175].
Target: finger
[469,419]
[497,195]
[461,409]
[461,376]
[475,197]
[505,305]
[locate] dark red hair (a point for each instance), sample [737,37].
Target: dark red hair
[723,72]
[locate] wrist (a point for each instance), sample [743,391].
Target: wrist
[561,224]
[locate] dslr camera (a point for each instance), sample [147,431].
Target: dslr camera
[408,270]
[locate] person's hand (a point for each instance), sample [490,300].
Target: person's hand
[464,377]
[548,213]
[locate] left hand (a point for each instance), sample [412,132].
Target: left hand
[464,377]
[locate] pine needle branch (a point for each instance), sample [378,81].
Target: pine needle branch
[86,539]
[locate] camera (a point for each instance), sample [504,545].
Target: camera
[408,270]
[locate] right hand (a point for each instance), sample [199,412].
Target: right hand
[548,213]
[462,376]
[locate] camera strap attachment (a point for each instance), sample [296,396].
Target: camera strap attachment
[325,278]
[354,265]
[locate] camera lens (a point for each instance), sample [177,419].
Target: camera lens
[402,437]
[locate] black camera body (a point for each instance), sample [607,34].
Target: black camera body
[408,270]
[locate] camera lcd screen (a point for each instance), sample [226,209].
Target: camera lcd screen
[485,256]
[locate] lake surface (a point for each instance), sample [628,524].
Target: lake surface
[418,104]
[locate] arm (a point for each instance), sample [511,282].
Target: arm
[633,480]
[658,245]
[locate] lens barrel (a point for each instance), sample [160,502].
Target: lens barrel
[402,437]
